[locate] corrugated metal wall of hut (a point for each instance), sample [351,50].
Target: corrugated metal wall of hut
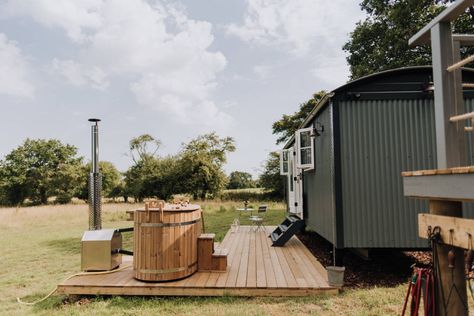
[379,139]
[319,183]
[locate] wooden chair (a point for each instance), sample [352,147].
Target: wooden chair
[257,220]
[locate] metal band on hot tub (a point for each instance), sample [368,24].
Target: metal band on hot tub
[169,224]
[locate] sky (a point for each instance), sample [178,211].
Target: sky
[171,69]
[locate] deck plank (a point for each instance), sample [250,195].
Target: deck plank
[261,275]
[318,268]
[267,262]
[234,268]
[309,278]
[241,279]
[255,268]
[252,262]
[277,268]
[287,272]
[295,268]
[213,277]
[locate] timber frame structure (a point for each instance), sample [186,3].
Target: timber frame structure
[452,183]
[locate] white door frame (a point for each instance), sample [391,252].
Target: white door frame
[295,186]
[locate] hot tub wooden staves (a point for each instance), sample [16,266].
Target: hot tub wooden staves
[165,242]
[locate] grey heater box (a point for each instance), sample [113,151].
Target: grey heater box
[97,248]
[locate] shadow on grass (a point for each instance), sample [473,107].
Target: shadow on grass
[71,245]
[172,304]
[168,302]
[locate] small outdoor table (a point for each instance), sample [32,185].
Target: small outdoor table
[243,210]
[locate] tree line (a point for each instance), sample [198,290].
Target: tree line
[41,169]
[380,42]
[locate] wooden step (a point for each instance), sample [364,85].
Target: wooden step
[290,226]
[219,259]
[207,236]
[130,215]
[210,256]
[219,252]
[274,236]
[205,245]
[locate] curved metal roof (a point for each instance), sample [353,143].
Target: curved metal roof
[359,82]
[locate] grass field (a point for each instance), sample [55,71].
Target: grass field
[41,247]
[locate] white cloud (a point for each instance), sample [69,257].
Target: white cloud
[298,25]
[14,70]
[75,17]
[163,54]
[79,75]
[185,106]
[314,29]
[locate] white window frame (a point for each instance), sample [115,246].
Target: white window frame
[282,162]
[298,133]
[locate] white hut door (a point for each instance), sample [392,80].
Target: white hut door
[291,183]
[295,187]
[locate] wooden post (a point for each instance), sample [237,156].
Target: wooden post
[449,139]
[445,281]
[449,144]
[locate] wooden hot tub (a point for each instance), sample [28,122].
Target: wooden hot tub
[165,242]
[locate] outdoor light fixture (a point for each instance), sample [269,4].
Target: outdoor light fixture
[428,87]
[317,130]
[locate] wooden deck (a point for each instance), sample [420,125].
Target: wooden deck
[255,268]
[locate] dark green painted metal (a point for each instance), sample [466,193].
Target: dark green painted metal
[319,183]
[379,140]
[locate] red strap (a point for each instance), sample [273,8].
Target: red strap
[416,288]
[406,298]
[416,291]
[427,300]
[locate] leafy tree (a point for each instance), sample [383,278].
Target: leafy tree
[197,169]
[143,150]
[38,169]
[240,180]
[136,177]
[111,178]
[153,177]
[67,182]
[165,180]
[271,179]
[380,42]
[288,124]
[200,165]
[140,147]
[118,191]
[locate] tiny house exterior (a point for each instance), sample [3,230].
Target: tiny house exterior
[343,165]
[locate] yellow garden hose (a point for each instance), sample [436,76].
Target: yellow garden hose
[69,277]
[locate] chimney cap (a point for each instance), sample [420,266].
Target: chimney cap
[94,120]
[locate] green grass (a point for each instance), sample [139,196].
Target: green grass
[41,247]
